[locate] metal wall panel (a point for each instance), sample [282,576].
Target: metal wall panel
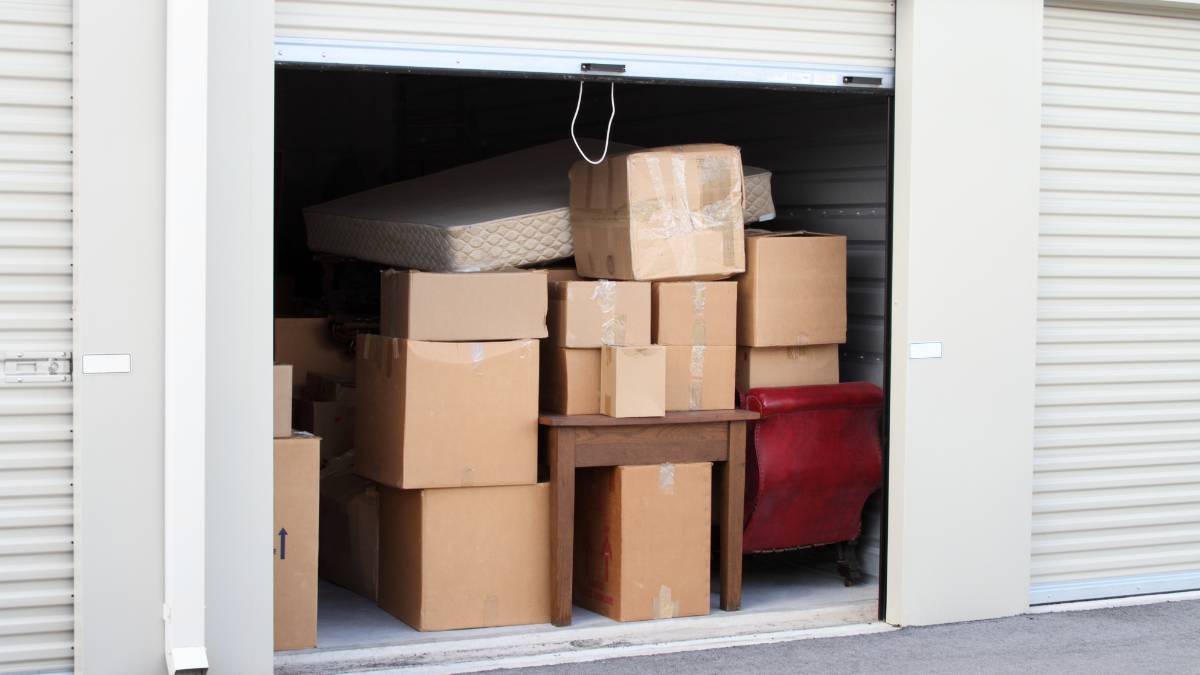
[835,32]
[1117,443]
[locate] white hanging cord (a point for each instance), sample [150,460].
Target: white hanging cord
[612,102]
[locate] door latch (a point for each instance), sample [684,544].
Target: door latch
[27,367]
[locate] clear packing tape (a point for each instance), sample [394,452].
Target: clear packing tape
[612,323]
[696,381]
[699,290]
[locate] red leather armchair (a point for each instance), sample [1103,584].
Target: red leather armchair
[812,461]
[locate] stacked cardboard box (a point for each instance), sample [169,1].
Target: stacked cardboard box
[791,309]
[446,425]
[696,322]
[295,530]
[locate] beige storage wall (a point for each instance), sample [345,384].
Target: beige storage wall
[841,32]
[36,542]
[1117,443]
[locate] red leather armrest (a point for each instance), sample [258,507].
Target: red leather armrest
[778,400]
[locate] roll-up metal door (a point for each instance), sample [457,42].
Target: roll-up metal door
[36,542]
[1117,449]
[816,42]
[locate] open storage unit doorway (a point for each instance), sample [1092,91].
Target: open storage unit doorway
[339,131]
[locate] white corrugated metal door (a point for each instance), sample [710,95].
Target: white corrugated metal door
[1117,454]
[846,36]
[36,557]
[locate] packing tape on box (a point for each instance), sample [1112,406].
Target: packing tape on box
[666,478]
[664,606]
[612,323]
[795,353]
[699,290]
[696,384]
[476,355]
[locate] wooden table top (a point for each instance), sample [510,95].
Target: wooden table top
[686,417]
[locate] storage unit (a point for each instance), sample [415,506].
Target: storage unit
[36,472]
[1117,467]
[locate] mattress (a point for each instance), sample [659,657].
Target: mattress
[498,213]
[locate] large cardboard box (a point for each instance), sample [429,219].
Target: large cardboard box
[570,381]
[463,306]
[694,313]
[333,421]
[633,381]
[663,213]
[467,557]
[591,314]
[446,414]
[786,366]
[308,345]
[700,377]
[282,418]
[642,540]
[295,531]
[349,551]
[794,290]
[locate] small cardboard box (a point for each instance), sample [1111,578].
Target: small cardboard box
[283,401]
[642,540]
[662,213]
[591,314]
[570,380]
[463,306]
[349,552]
[297,471]
[633,381]
[446,414]
[308,345]
[700,377]
[466,557]
[786,366]
[794,290]
[330,388]
[694,313]
[333,421]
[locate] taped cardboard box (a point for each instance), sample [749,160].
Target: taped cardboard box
[794,290]
[282,386]
[642,540]
[633,381]
[700,377]
[295,531]
[694,313]
[463,306]
[446,414]
[786,366]
[333,421]
[349,551]
[308,345]
[570,381]
[466,557]
[591,314]
[663,213]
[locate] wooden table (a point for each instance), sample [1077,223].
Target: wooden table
[578,441]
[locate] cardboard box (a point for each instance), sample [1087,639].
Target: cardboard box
[633,381]
[446,414]
[282,401]
[794,290]
[591,314]
[333,421]
[642,540]
[700,377]
[295,532]
[349,551]
[663,213]
[322,387]
[463,306]
[467,557]
[308,345]
[694,313]
[570,382]
[786,366]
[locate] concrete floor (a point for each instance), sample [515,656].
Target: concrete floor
[1156,638]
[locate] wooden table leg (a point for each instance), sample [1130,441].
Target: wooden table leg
[732,487]
[562,522]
